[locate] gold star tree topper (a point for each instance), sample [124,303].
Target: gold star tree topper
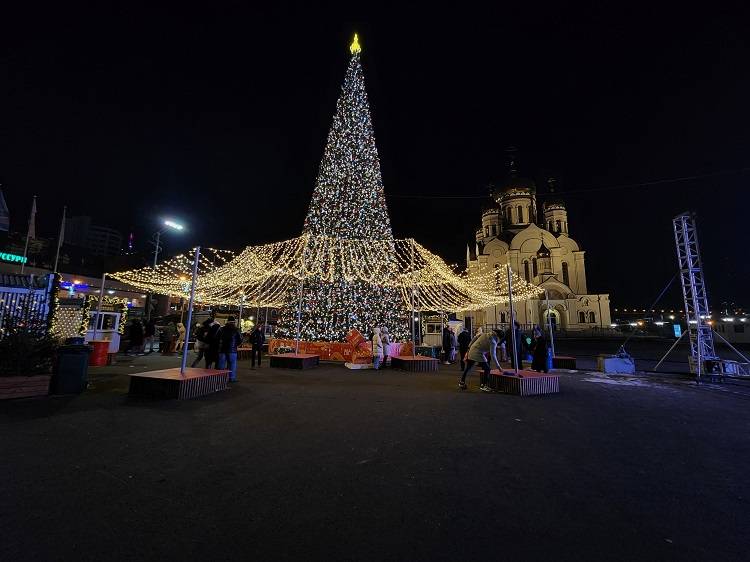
[354,47]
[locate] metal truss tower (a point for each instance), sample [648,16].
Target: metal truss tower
[693,292]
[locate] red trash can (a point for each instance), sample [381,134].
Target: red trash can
[98,357]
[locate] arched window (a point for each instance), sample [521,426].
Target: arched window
[566,277]
[565,226]
[582,317]
[557,226]
[492,230]
[520,213]
[486,230]
[549,226]
[508,212]
[534,267]
[502,318]
[526,271]
[592,317]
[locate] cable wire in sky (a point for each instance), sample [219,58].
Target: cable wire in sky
[585,190]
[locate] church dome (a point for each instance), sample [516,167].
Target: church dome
[552,199]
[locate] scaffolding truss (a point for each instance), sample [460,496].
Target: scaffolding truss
[694,295]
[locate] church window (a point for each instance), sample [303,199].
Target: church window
[549,226]
[492,230]
[582,317]
[592,317]
[526,271]
[566,277]
[534,267]
[557,226]
[486,230]
[565,226]
[502,318]
[520,213]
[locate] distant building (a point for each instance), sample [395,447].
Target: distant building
[535,242]
[99,240]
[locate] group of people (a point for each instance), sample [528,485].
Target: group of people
[217,345]
[214,343]
[482,350]
[380,342]
[142,337]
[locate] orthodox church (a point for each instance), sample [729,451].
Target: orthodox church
[535,241]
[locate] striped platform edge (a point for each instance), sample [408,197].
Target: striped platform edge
[294,360]
[532,383]
[170,384]
[415,364]
[563,362]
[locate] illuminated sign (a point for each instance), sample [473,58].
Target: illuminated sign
[12,258]
[677,330]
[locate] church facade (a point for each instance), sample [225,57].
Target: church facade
[535,240]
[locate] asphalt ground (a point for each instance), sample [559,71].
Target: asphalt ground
[360,465]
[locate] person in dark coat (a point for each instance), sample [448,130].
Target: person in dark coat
[464,339]
[539,350]
[257,339]
[230,338]
[150,334]
[447,344]
[201,339]
[519,345]
[212,349]
[136,336]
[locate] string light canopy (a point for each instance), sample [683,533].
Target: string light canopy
[262,275]
[346,270]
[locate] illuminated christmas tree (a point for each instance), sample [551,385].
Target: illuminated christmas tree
[348,203]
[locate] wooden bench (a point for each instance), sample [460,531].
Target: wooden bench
[529,383]
[170,383]
[563,362]
[415,364]
[294,360]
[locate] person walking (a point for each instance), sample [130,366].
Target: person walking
[201,340]
[483,345]
[257,339]
[464,339]
[454,347]
[386,338]
[180,336]
[212,344]
[229,339]
[377,348]
[539,351]
[150,334]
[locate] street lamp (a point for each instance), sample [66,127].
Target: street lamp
[167,225]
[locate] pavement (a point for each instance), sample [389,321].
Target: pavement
[361,465]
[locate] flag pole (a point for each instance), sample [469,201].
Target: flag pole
[190,309]
[28,232]
[60,239]
[512,321]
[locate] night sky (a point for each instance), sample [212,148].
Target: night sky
[218,116]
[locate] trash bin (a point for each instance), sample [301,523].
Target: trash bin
[71,370]
[98,356]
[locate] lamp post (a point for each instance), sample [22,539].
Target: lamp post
[167,224]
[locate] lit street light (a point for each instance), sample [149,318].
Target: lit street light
[168,224]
